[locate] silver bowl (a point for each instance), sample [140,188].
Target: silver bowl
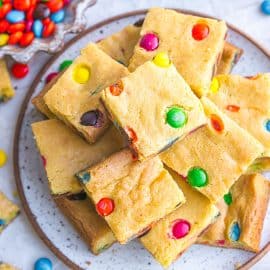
[74,22]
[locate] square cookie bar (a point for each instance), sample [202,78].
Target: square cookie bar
[8,211]
[74,98]
[129,194]
[213,157]
[193,43]
[120,46]
[154,106]
[171,236]
[5,266]
[247,102]
[6,89]
[230,57]
[243,211]
[64,153]
[82,214]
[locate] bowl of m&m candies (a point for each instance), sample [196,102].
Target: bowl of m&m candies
[29,26]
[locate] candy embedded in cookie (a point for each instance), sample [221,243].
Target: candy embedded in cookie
[214,156]
[240,223]
[243,99]
[164,110]
[194,45]
[76,93]
[120,185]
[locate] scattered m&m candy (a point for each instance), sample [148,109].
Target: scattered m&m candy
[228,198]
[117,88]
[84,177]
[216,123]
[176,117]
[232,108]
[149,42]
[19,70]
[162,60]
[3,158]
[200,31]
[37,28]
[51,76]
[197,177]
[65,64]
[92,118]
[235,232]
[81,74]
[180,229]
[267,125]
[15,16]
[58,16]
[2,222]
[105,207]
[214,87]
[265,7]
[43,264]
[4,39]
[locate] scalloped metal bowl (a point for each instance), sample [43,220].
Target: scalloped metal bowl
[75,22]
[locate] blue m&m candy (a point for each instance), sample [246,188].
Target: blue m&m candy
[37,28]
[265,7]
[235,232]
[43,264]
[59,16]
[267,125]
[15,16]
[2,222]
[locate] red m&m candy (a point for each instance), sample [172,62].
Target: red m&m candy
[48,29]
[216,123]
[27,39]
[15,38]
[55,5]
[180,229]
[22,4]
[3,26]
[16,27]
[105,207]
[4,9]
[51,76]
[200,31]
[19,70]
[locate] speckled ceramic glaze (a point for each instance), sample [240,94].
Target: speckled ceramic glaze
[56,228]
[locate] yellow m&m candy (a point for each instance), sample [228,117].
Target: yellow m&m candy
[214,85]
[4,39]
[3,158]
[162,60]
[81,74]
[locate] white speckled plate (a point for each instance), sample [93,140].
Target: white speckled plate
[54,228]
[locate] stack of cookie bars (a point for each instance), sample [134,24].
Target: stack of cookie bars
[149,136]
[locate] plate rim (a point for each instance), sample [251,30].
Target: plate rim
[30,216]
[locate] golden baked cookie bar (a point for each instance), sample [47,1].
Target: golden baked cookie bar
[64,153]
[230,57]
[82,214]
[243,211]
[6,89]
[129,194]
[171,236]
[247,102]
[213,157]
[154,106]
[8,211]
[120,45]
[74,98]
[194,44]
[5,266]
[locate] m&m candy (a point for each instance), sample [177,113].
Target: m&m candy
[37,28]
[235,232]
[105,207]
[4,9]
[2,222]
[232,108]
[51,76]
[22,4]
[48,29]
[176,117]
[200,31]
[214,85]
[41,12]
[180,229]
[267,125]
[27,39]
[265,7]
[15,38]
[43,264]
[162,60]
[149,42]
[228,198]
[197,177]
[3,26]
[59,16]
[117,88]
[15,16]
[55,5]
[92,118]
[16,27]
[81,74]
[3,158]
[216,123]
[19,70]
[131,134]
[84,177]
[4,39]
[65,64]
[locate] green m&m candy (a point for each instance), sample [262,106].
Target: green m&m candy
[197,177]
[65,64]
[176,117]
[228,198]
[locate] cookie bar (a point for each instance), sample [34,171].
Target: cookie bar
[82,214]
[171,236]
[64,153]
[194,44]
[39,102]
[230,57]
[120,45]
[74,98]
[247,102]
[213,157]
[154,106]
[129,194]
[8,211]
[5,266]
[243,211]
[6,89]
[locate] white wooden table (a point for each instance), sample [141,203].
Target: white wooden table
[19,244]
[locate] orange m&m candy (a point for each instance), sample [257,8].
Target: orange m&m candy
[105,207]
